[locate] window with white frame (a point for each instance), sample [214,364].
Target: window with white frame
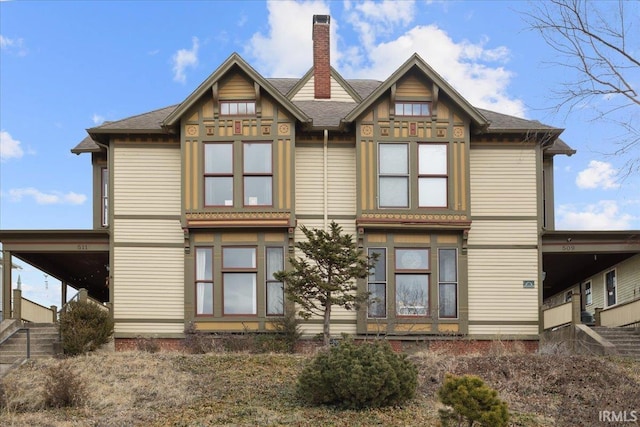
[412,281]
[105,196]
[447,283]
[274,289]
[588,297]
[239,277]
[610,288]
[377,284]
[413,108]
[237,108]
[432,175]
[204,281]
[257,172]
[393,175]
[218,174]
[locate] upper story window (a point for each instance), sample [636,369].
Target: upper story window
[413,109]
[218,174]
[256,182]
[393,177]
[257,172]
[432,175]
[237,108]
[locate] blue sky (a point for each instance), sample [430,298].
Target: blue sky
[68,66]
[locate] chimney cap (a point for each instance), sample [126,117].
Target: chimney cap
[321,19]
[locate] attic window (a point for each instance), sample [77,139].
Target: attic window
[413,109]
[237,108]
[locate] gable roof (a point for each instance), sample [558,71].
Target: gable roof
[416,61]
[233,60]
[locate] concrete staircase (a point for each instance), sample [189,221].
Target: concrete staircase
[626,340]
[43,345]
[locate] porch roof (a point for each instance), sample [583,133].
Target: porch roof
[79,258]
[570,257]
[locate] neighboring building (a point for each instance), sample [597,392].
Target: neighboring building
[197,204]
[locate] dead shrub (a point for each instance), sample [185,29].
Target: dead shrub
[148,345]
[62,386]
[197,342]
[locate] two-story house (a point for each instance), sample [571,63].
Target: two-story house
[196,205]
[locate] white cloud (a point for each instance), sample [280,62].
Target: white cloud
[9,148]
[183,59]
[13,45]
[474,69]
[97,119]
[286,50]
[604,215]
[598,175]
[53,198]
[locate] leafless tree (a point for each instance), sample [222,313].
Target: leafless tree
[598,43]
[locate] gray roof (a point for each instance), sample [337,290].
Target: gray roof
[87,145]
[151,121]
[504,122]
[326,113]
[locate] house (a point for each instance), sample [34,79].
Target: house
[196,205]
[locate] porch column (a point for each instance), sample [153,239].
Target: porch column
[576,310]
[17,304]
[5,292]
[63,290]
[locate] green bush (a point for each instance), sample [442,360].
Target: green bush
[471,401]
[288,328]
[84,326]
[368,375]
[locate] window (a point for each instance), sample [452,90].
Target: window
[218,170]
[393,179]
[610,287]
[274,288]
[105,197]
[237,108]
[568,296]
[258,178]
[432,175]
[239,275]
[412,282]
[587,294]
[204,281]
[413,108]
[447,283]
[377,284]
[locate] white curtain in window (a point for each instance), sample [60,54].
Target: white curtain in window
[201,266]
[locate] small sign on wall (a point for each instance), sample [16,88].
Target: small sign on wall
[528,284]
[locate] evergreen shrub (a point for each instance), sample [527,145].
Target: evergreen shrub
[84,326]
[470,401]
[368,375]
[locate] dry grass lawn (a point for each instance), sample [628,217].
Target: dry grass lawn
[173,389]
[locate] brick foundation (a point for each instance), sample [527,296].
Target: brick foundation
[165,344]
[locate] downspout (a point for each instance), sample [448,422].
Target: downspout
[326,179]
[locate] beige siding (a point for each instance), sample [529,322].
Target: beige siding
[412,87]
[314,329]
[148,231]
[237,87]
[338,93]
[146,180]
[628,277]
[149,328]
[342,181]
[504,232]
[148,283]
[309,180]
[503,182]
[502,330]
[495,284]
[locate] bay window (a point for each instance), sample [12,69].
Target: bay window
[204,281]
[377,284]
[412,282]
[274,288]
[239,276]
[447,283]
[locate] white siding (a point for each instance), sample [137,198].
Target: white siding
[146,180]
[495,284]
[307,92]
[148,231]
[148,283]
[504,233]
[503,182]
[309,180]
[342,180]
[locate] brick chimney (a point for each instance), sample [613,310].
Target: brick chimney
[321,61]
